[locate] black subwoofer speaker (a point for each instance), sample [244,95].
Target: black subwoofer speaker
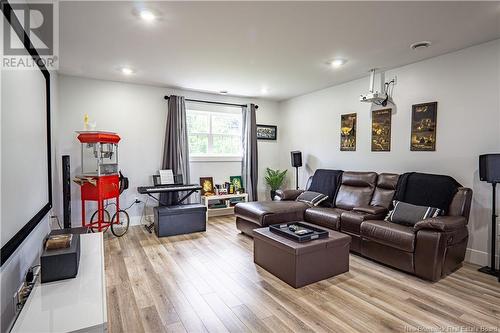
[66,185]
[296,157]
[489,168]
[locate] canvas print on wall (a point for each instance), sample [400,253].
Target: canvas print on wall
[381,130]
[423,127]
[267,132]
[348,132]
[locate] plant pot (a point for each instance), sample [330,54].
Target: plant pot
[273,194]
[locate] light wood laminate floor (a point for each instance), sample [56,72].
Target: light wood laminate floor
[208,282]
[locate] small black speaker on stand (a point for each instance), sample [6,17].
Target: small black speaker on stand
[489,171]
[296,157]
[66,185]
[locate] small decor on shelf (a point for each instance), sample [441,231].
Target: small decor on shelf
[267,132]
[207,185]
[423,127]
[236,181]
[274,179]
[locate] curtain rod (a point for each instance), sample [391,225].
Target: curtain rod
[211,102]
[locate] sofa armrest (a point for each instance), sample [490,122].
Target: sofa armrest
[288,195]
[374,210]
[441,223]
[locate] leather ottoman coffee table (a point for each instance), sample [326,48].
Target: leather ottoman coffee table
[300,264]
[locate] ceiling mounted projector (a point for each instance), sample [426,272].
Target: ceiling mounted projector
[379,98]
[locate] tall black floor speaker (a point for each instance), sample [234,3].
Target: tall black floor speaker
[489,171]
[66,185]
[296,157]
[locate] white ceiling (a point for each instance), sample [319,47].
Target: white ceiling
[244,47]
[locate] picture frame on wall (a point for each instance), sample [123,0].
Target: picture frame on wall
[207,186]
[423,127]
[267,132]
[381,130]
[348,130]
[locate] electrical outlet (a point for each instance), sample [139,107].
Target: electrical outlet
[17,299]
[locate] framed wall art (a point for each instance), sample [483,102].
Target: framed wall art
[348,132]
[423,127]
[381,130]
[267,132]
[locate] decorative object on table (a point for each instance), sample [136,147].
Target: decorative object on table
[56,242]
[489,171]
[381,130]
[236,181]
[296,157]
[62,263]
[348,132]
[207,185]
[423,127]
[275,179]
[298,232]
[267,132]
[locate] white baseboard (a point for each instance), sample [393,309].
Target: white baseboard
[478,257]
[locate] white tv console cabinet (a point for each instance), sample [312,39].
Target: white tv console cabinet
[73,305]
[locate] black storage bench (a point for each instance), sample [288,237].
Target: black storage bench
[179,219]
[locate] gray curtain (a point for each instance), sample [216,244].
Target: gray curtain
[249,165]
[175,149]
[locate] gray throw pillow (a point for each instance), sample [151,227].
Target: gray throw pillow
[311,198]
[408,214]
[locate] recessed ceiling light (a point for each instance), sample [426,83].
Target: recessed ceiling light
[264,90]
[147,15]
[336,63]
[420,45]
[127,71]
[223,92]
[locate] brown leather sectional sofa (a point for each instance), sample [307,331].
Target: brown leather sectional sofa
[431,249]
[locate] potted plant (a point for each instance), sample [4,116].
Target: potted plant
[275,179]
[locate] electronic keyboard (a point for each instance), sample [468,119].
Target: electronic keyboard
[168,188]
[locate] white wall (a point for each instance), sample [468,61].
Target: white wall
[138,114]
[466,86]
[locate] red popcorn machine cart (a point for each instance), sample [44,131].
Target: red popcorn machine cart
[100,181]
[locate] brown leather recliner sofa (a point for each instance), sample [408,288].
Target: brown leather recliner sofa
[431,249]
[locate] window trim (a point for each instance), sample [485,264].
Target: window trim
[214,158]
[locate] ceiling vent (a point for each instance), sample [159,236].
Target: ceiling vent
[420,45]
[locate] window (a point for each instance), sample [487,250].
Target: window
[214,134]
